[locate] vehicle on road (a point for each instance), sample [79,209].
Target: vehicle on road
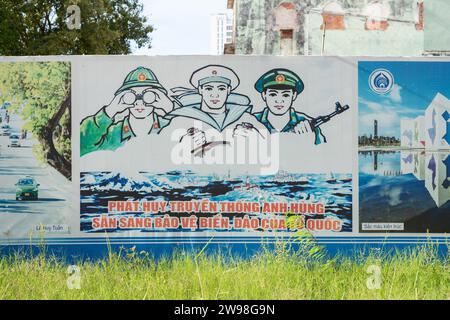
[5,130]
[27,188]
[5,106]
[14,140]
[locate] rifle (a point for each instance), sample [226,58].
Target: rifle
[317,122]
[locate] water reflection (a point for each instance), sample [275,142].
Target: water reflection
[385,163]
[431,167]
[407,186]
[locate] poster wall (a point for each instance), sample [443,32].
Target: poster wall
[237,147]
[404,146]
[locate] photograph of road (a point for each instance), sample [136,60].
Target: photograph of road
[35,148]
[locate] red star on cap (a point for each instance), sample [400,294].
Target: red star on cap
[142,77]
[155,125]
[126,129]
[279,78]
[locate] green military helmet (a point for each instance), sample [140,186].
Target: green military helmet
[277,77]
[140,77]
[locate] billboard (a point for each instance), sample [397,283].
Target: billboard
[404,171]
[228,149]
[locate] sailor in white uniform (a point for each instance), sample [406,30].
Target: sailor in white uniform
[211,108]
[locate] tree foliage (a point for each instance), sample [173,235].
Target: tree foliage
[38,27]
[40,93]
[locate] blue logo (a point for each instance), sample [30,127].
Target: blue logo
[381,81]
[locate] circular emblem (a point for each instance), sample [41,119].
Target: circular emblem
[214,72]
[381,81]
[142,77]
[279,78]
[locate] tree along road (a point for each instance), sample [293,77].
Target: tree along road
[55,200]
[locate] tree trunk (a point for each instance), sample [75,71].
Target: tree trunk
[53,157]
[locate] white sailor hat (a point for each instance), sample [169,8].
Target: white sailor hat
[214,73]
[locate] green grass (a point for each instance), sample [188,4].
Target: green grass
[413,274]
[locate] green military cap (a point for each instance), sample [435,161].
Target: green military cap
[276,77]
[140,77]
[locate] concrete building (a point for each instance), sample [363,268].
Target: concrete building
[221,32]
[339,27]
[406,132]
[437,181]
[430,131]
[437,123]
[419,165]
[413,162]
[407,161]
[430,167]
[419,132]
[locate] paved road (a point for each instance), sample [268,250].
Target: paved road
[18,218]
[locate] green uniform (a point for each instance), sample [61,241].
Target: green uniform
[294,118]
[99,132]
[284,78]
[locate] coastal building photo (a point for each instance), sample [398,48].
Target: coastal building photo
[404,146]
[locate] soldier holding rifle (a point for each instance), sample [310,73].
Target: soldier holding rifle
[279,89]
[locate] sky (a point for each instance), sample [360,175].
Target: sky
[181,26]
[415,86]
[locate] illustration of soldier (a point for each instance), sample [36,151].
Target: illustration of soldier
[213,102]
[279,88]
[141,102]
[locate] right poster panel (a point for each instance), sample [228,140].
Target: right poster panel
[404,146]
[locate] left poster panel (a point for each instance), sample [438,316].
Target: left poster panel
[35,148]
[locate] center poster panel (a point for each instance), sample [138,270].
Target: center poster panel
[233,146]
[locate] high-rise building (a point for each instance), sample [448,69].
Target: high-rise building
[221,32]
[375,129]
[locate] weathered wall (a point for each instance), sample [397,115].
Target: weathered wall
[258,25]
[400,38]
[437,32]
[257,30]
